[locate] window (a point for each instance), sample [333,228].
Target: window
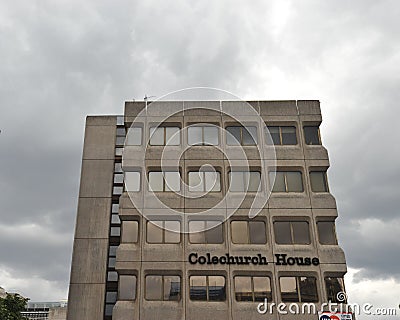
[252,288]
[318,181]
[132,181]
[298,289]
[333,287]
[165,136]
[114,214]
[203,135]
[111,299]
[115,231]
[117,191]
[163,287]
[286,181]
[282,135]
[209,231]
[244,181]
[112,276]
[291,232]
[167,231]
[130,231]
[118,167]
[326,232]
[162,181]
[120,140]
[127,287]
[248,232]
[311,134]
[204,181]
[207,288]
[134,136]
[112,253]
[239,135]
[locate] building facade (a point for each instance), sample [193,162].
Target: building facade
[160,231]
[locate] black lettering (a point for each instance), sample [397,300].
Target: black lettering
[307,261]
[299,261]
[254,260]
[222,260]
[193,255]
[263,260]
[215,260]
[247,260]
[231,260]
[281,259]
[201,260]
[315,261]
[208,258]
[239,260]
[290,261]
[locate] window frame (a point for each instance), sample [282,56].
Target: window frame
[334,233]
[267,128]
[334,296]
[203,142]
[163,231]
[164,181]
[248,233]
[325,180]
[284,172]
[164,128]
[205,231]
[163,286]
[204,182]
[298,288]
[318,135]
[269,294]
[240,143]
[243,172]
[292,238]
[207,287]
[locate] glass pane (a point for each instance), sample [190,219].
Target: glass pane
[118,167]
[216,288]
[109,309]
[289,289]
[214,232]
[262,288]
[115,231]
[121,132]
[275,136]
[130,231]
[112,276]
[236,181]
[172,232]
[155,181]
[211,135]
[112,251]
[157,136]
[279,183]
[194,135]
[127,287]
[154,288]
[239,232]
[115,208]
[282,232]
[301,234]
[257,232]
[198,288]
[333,287]
[119,151]
[172,181]
[115,219]
[154,233]
[111,262]
[212,181]
[326,232]
[294,181]
[254,182]
[195,181]
[249,135]
[243,289]
[233,136]
[120,141]
[132,181]
[308,289]
[134,137]
[172,288]
[289,135]
[318,181]
[118,190]
[311,135]
[173,137]
[111,297]
[196,232]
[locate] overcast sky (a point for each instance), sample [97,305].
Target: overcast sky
[61,60]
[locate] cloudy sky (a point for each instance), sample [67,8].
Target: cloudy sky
[61,60]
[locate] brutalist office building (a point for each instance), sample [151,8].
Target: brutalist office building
[202,210]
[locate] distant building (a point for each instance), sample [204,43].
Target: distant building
[46,310]
[3,293]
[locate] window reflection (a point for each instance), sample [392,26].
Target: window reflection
[207,288]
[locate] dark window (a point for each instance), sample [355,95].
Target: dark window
[252,288]
[311,134]
[333,287]
[238,135]
[282,135]
[163,287]
[326,232]
[318,181]
[120,140]
[298,289]
[203,135]
[207,288]
[286,181]
[111,299]
[244,181]
[209,231]
[292,232]
[245,232]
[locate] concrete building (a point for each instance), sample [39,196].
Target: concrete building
[45,310]
[136,192]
